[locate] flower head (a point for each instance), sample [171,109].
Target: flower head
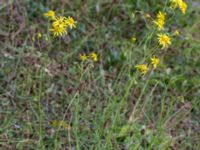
[83,57]
[175,3]
[160,20]
[71,23]
[183,7]
[160,24]
[179,4]
[142,68]
[59,26]
[164,40]
[176,33]
[154,62]
[50,14]
[161,16]
[94,56]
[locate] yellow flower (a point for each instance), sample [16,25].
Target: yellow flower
[161,16]
[59,26]
[179,4]
[94,56]
[60,21]
[50,14]
[133,39]
[83,57]
[183,7]
[39,35]
[164,40]
[142,68]
[160,24]
[160,20]
[175,3]
[154,62]
[71,23]
[176,33]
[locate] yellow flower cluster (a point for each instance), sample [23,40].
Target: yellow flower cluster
[164,39]
[179,4]
[60,24]
[160,20]
[143,68]
[92,55]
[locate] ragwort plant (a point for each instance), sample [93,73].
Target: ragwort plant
[150,139]
[106,81]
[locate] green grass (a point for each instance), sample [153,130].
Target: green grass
[107,104]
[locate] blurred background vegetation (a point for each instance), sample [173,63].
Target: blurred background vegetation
[49,99]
